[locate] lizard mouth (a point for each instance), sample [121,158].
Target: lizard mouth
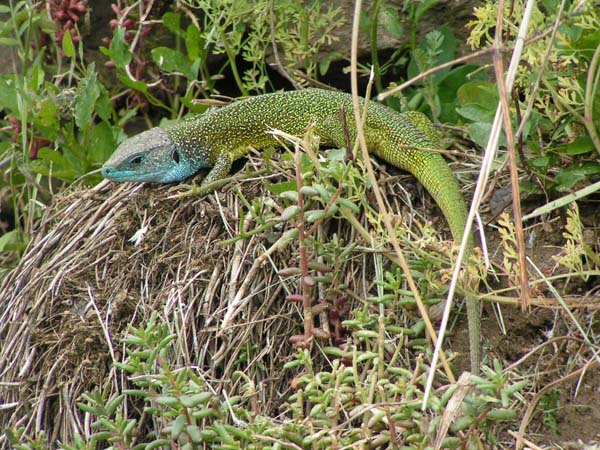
[116,174]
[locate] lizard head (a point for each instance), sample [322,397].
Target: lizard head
[149,156]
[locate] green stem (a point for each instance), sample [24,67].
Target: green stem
[234,70]
[590,90]
[373,39]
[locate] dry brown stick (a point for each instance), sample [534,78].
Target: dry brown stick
[514,174]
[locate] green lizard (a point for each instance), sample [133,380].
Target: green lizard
[217,138]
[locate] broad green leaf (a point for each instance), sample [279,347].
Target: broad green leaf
[170,60]
[580,146]
[87,94]
[100,142]
[455,78]
[569,177]
[104,107]
[474,112]
[479,132]
[172,21]
[279,188]
[47,118]
[53,163]
[14,240]
[8,95]
[133,84]
[481,93]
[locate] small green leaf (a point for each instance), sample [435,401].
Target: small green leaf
[112,406]
[279,188]
[86,408]
[580,146]
[118,50]
[104,107]
[391,22]
[451,442]
[510,390]
[204,413]
[333,351]
[289,212]
[540,162]
[462,423]
[67,45]
[172,21]
[100,436]
[8,42]
[193,41]
[314,215]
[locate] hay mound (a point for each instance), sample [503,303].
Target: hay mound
[105,258]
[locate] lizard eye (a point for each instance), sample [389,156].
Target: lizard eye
[175,156]
[135,160]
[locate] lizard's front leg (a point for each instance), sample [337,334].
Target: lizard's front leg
[219,170]
[216,178]
[217,175]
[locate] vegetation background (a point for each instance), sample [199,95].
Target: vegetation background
[108,359]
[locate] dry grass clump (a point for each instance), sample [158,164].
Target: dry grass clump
[83,280]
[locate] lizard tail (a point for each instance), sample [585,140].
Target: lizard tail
[432,171]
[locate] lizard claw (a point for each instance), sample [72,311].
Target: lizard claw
[184,190]
[193,190]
